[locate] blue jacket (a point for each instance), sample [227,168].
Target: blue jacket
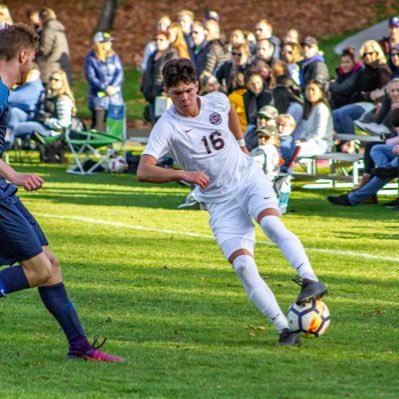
[100,75]
[27,96]
[198,55]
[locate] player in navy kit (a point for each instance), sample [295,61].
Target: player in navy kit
[21,238]
[203,135]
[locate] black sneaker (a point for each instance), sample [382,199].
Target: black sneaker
[289,338]
[340,200]
[392,204]
[310,290]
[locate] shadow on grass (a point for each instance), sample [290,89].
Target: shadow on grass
[125,190]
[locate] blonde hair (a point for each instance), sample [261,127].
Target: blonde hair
[65,89]
[101,53]
[179,44]
[5,15]
[294,32]
[238,32]
[183,13]
[373,44]
[264,21]
[288,118]
[47,14]
[296,51]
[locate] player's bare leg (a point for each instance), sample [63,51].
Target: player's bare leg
[291,247]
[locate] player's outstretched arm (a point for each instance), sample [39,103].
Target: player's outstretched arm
[149,172]
[28,182]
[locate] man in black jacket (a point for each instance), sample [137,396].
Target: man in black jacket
[217,53]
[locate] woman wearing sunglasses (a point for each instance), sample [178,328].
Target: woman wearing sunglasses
[369,88]
[239,63]
[56,110]
[291,54]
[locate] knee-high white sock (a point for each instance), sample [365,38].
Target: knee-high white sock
[258,292]
[289,245]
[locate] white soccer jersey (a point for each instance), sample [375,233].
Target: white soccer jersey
[205,144]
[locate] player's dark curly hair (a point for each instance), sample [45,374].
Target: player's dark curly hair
[178,70]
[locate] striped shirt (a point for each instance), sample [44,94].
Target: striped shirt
[63,120]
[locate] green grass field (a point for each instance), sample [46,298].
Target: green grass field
[170,303]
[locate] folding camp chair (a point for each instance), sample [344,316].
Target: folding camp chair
[46,142]
[90,145]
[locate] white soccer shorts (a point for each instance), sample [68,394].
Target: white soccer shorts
[231,220]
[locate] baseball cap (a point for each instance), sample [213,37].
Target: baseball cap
[269,131]
[102,37]
[268,111]
[309,41]
[394,21]
[212,14]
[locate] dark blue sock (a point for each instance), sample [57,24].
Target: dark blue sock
[56,301]
[12,279]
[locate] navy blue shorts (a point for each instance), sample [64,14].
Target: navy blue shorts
[21,237]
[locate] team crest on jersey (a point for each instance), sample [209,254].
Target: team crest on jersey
[215,118]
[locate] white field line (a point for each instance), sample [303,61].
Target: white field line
[190,234]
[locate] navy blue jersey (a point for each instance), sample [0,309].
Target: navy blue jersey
[5,188]
[3,114]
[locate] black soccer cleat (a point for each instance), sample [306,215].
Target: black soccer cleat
[289,338]
[310,290]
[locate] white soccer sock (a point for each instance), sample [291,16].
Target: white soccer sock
[258,292]
[289,245]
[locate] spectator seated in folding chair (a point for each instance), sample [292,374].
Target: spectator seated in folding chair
[87,145]
[54,116]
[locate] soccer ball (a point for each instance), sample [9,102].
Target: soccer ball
[117,165]
[312,318]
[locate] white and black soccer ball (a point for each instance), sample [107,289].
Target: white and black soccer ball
[117,165]
[311,318]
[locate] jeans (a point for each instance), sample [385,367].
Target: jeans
[15,117]
[26,129]
[343,118]
[371,188]
[287,149]
[250,137]
[383,156]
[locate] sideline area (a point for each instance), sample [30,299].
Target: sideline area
[375,32]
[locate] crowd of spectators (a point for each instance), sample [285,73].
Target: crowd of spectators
[254,69]
[290,76]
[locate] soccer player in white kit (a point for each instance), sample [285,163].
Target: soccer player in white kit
[203,135]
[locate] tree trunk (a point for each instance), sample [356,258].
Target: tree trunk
[106,20]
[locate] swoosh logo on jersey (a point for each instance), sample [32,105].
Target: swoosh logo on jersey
[267,197]
[189,130]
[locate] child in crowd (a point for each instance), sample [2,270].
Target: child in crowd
[266,154]
[286,126]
